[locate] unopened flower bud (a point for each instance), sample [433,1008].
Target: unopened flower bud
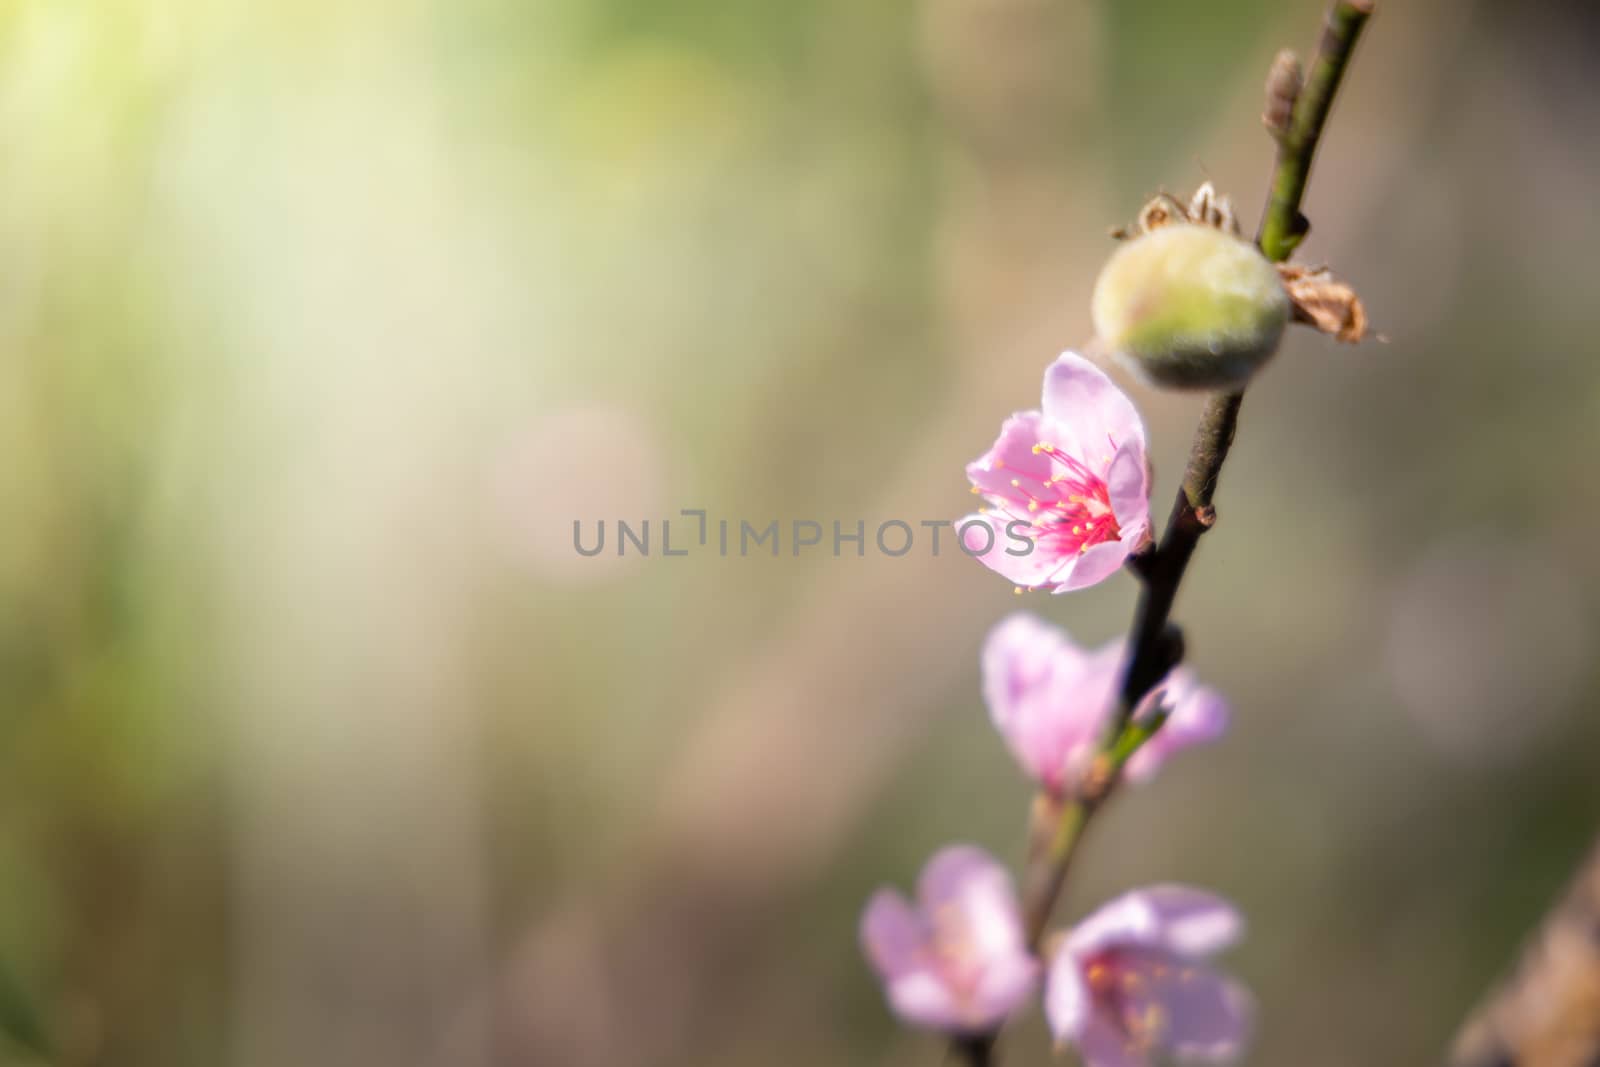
[1190,307]
[1284,82]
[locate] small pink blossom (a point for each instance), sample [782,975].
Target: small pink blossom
[1131,980]
[1071,480]
[1049,699]
[957,960]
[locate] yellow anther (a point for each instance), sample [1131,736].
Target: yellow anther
[1016,590]
[1033,505]
[1146,1026]
[976,490]
[1016,483]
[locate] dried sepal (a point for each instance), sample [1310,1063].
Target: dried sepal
[1206,208]
[1214,209]
[1161,210]
[1318,298]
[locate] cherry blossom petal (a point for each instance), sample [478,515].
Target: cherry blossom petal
[1183,1006]
[1178,919]
[998,549]
[1102,1044]
[1207,1015]
[1012,458]
[972,883]
[1020,656]
[1005,985]
[957,960]
[1128,479]
[1092,566]
[1078,394]
[922,998]
[1024,660]
[1067,1006]
[1193,922]
[892,934]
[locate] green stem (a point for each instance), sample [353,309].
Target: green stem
[1049,871]
[1282,224]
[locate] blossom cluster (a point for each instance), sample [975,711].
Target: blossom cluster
[1133,979]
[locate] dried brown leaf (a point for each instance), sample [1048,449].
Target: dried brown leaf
[1325,302]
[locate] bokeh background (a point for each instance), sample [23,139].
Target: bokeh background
[321,323]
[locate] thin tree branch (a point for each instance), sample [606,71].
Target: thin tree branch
[1282,227]
[976,1050]
[1151,653]
[1192,515]
[1155,646]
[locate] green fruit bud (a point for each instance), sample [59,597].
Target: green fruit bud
[1190,307]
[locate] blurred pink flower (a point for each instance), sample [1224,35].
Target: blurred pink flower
[955,961]
[1049,699]
[1130,980]
[1071,479]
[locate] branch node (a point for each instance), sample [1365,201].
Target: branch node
[1143,562]
[1097,780]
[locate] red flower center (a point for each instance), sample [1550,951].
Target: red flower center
[1070,510]
[1121,991]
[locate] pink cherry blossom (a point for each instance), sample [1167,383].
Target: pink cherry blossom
[957,960]
[1132,980]
[1050,699]
[1071,480]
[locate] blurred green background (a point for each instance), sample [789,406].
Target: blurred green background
[319,325]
